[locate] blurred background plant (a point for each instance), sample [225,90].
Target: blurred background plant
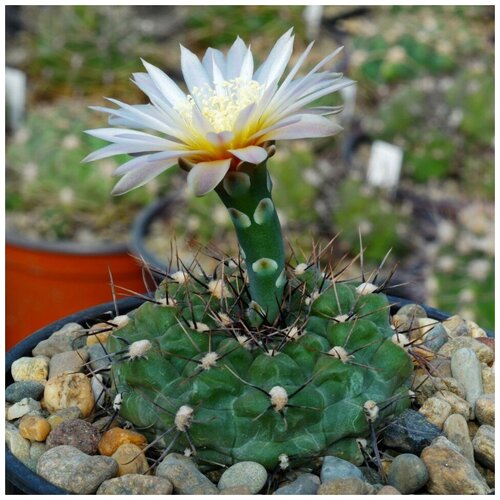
[424,83]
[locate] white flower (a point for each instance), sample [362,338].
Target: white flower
[229,115]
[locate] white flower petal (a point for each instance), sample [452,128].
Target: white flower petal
[235,58]
[205,176]
[118,149]
[273,67]
[309,126]
[121,135]
[210,56]
[220,138]
[150,158]
[246,71]
[194,73]
[250,154]
[141,175]
[169,89]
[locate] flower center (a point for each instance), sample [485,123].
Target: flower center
[222,103]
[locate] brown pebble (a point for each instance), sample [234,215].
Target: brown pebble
[130,459]
[490,342]
[34,428]
[69,389]
[78,433]
[115,437]
[98,334]
[388,490]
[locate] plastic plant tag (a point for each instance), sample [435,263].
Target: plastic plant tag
[384,166]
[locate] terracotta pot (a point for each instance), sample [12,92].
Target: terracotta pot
[46,281]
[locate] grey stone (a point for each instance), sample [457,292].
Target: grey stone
[410,432]
[249,474]
[70,469]
[70,337]
[17,445]
[305,484]
[456,326]
[450,473]
[24,389]
[183,474]
[98,357]
[466,369]
[64,415]
[67,362]
[484,446]
[78,433]
[136,484]
[413,311]
[436,337]
[457,431]
[336,468]
[23,407]
[407,473]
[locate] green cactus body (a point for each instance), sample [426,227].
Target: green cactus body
[228,391]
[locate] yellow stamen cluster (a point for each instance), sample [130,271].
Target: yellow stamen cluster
[222,104]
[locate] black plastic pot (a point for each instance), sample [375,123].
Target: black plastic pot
[17,474]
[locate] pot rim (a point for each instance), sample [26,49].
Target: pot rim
[16,239]
[21,476]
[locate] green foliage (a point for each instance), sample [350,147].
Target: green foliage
[219,25]
[59,196]
[235,416]
[382,226]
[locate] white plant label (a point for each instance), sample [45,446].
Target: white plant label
[384,165]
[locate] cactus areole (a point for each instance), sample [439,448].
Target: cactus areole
[262,360]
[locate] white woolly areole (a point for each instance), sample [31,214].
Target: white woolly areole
[371,410]
[183,418]
[341,318]
[218,289]
[139,349]
[300,269]
[412,394]
[209,360]
[180,277]
[224,319]
[279,397]
[400,340]
[312,298]
[167,302]
[284,461]
[272,353]
[244,341]
[199,327]
[293,333]
[188,452]
[339,353]
[366,288]
[362,443]
[120,321]
[117,402]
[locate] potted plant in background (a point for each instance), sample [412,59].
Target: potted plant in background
[61,228]
[270,363]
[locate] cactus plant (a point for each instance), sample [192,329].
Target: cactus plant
[262,360]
